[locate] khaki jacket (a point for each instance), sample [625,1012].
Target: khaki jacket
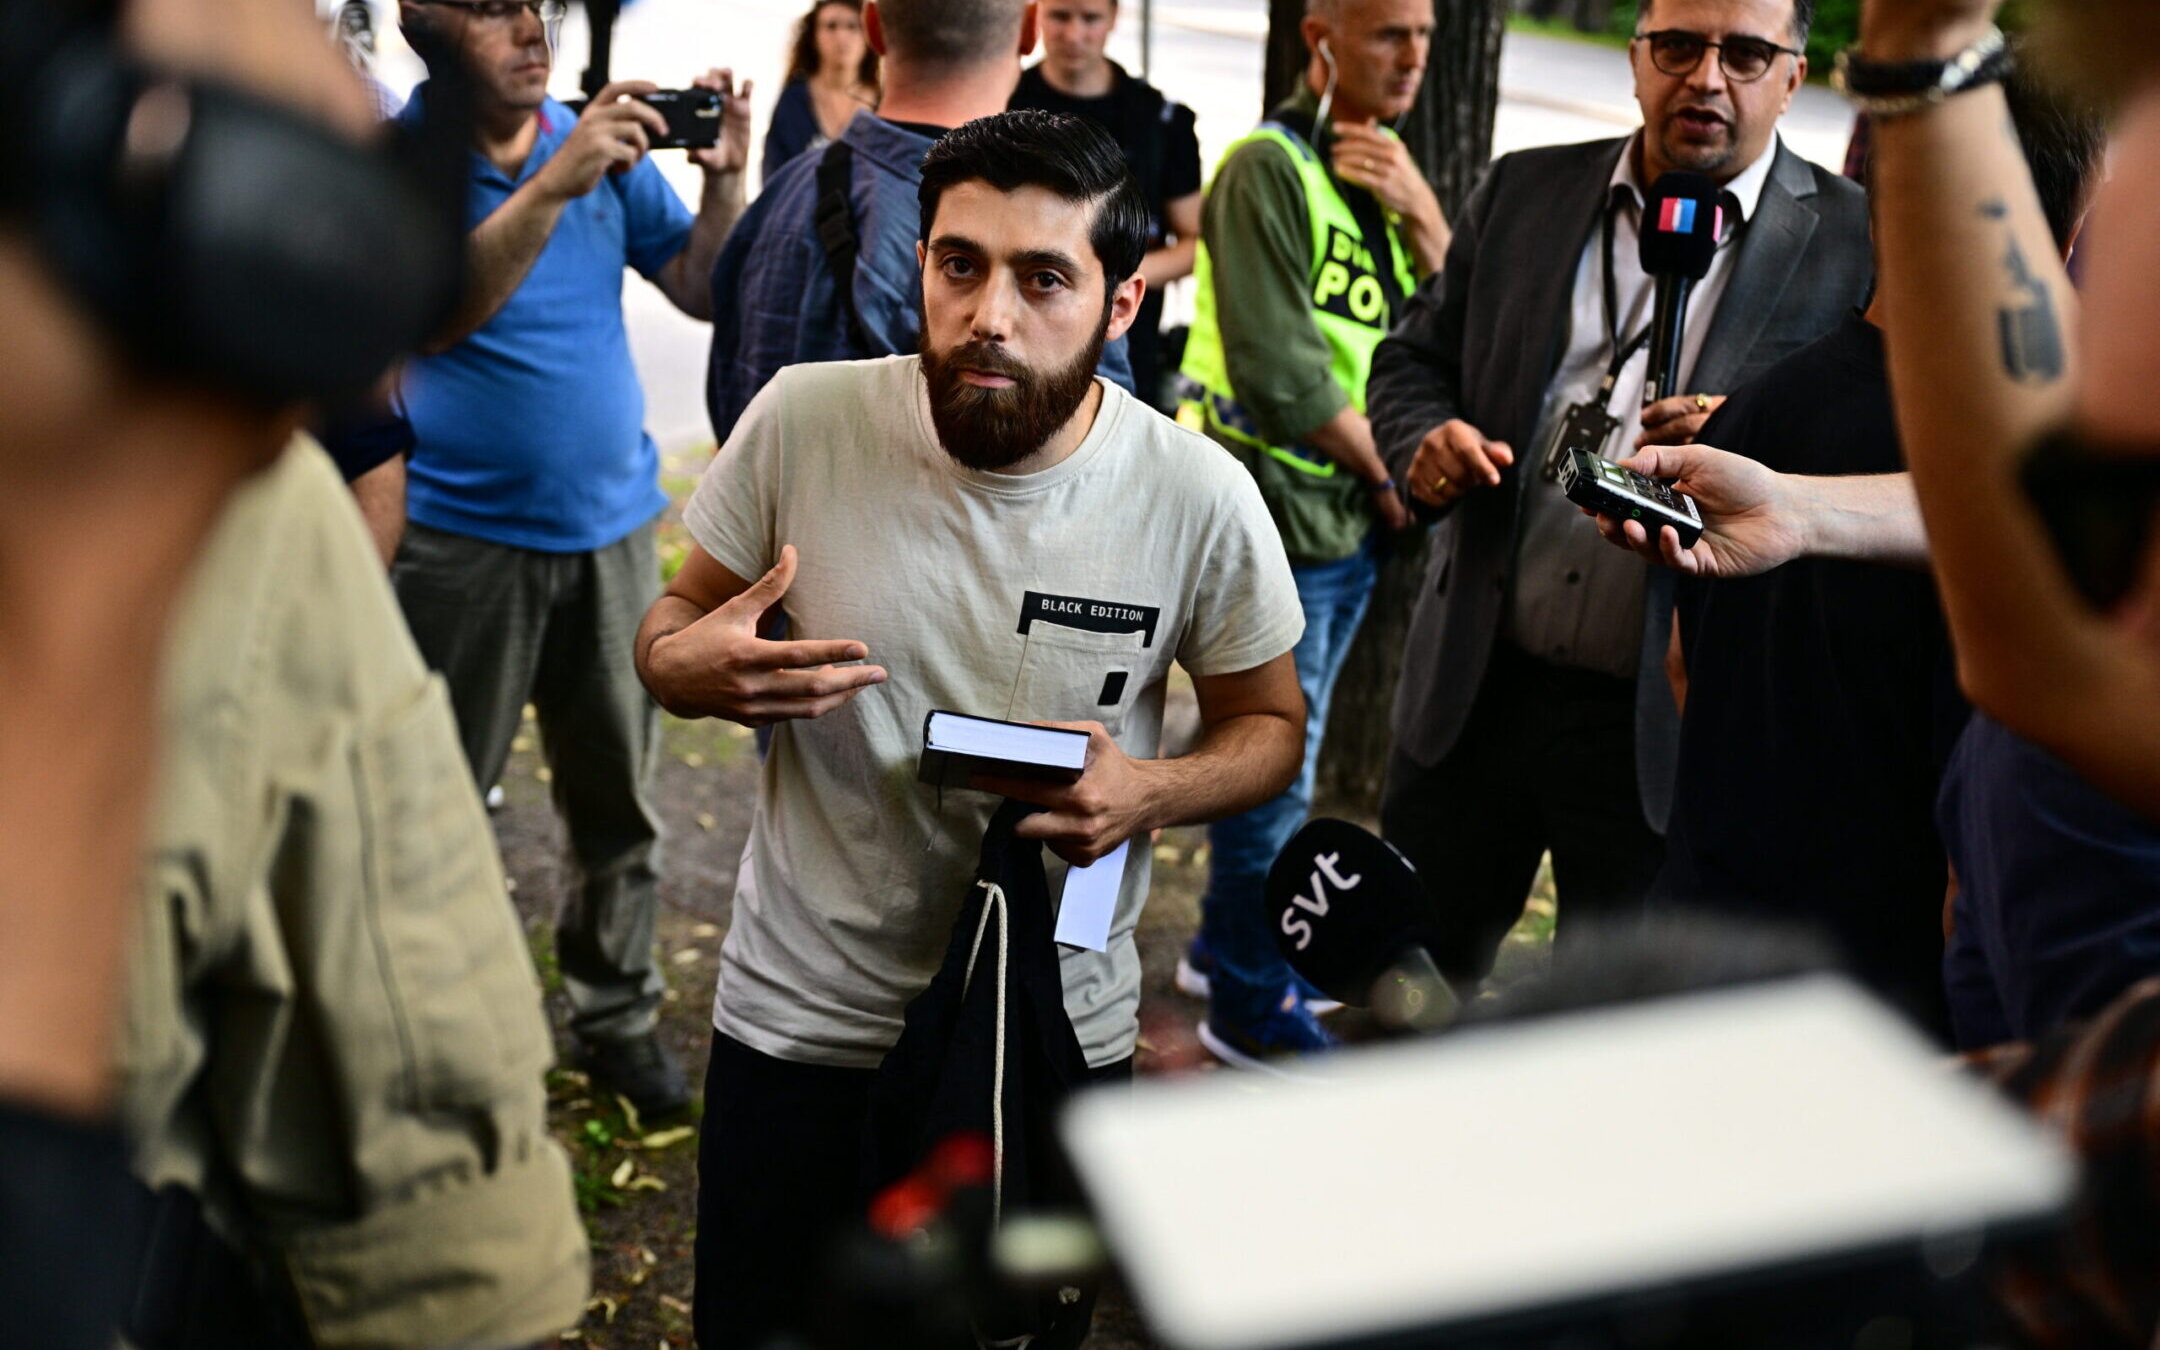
[333,1031]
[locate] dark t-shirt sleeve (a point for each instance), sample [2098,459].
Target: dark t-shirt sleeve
[1181,153]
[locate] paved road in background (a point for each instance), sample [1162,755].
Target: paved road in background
[1206,53]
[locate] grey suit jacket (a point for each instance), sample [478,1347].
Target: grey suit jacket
[1481,340]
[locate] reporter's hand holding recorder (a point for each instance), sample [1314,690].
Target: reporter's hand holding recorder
[1756,519]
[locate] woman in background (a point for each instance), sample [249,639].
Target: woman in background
[831,74]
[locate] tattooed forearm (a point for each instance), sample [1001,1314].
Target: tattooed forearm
[2028,326]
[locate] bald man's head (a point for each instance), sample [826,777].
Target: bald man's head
[948,35]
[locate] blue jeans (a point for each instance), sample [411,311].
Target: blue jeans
[1250,974]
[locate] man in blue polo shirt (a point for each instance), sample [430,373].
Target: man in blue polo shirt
[529,559]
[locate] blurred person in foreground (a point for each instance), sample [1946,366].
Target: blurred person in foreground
[2092,1285]
[534,491]
[1155,132]
[823,265]
[988,527]
[1534,713]
[310,1171]
[2000,368]
[832,75]
[1992,354]
[1317,227]
[1822,714]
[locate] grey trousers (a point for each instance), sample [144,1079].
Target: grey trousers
[507,626]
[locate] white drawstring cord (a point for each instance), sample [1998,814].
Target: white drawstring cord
[994,900]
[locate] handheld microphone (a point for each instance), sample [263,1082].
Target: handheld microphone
[1347,909]
[1679,239]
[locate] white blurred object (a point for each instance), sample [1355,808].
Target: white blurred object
[1513,1168]
[352,23]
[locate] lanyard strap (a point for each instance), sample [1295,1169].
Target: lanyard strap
[1623,352]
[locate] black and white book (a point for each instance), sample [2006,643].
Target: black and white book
[956,747]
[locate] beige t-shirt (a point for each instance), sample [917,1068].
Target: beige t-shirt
[1063,595]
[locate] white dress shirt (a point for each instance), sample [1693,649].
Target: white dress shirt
[1578,601]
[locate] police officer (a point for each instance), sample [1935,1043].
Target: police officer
[1326,226]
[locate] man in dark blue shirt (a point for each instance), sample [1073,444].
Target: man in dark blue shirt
[777,299]
[533,490]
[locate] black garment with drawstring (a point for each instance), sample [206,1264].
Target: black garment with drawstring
[790,1154]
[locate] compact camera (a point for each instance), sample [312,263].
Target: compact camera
[693,116]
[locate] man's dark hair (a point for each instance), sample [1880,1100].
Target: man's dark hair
[944,35]
[1070,157]
[2064,144]
[1803,20]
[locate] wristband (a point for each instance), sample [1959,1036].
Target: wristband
[1384,485]
[1896,88]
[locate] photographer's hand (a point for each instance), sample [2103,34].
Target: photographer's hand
[615,132]
[687,278]
[732,154]
[502,249]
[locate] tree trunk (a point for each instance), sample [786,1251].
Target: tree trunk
[1286,55]
[1450,134]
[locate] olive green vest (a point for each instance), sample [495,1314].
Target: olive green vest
[1320,510]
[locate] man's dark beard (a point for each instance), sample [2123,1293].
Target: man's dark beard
[992,429]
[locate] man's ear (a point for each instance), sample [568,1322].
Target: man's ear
[1124,306]
[1314,30]
[873,27]
[1030,28]
[922,256]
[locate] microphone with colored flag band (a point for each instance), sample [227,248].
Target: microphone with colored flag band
[1680,224]
[1347,911]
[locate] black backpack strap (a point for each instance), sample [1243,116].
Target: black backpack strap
[835,219]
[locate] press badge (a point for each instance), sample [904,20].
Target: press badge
[1584,426]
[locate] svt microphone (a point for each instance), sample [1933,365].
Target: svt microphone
[1347,909]
[1680,224]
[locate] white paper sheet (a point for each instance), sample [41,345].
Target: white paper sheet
[1091,900]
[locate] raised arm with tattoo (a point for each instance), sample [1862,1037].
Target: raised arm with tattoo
[1979,315]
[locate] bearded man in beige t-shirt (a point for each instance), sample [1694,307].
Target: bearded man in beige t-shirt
[985,528]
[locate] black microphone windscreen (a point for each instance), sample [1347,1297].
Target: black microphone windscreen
[1680,223]
[1343,904]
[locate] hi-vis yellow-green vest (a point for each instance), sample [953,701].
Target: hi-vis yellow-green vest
[1320,510]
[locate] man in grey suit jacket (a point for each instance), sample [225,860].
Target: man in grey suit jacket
[1534,712]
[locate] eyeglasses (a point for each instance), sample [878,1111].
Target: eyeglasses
[1744,60]
[549,12]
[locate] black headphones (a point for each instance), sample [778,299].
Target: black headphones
[219,237]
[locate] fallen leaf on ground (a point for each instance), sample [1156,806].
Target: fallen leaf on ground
[668,1138]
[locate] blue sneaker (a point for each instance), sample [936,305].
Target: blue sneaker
[1195,978]
[1196,969]
[1272,1044]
